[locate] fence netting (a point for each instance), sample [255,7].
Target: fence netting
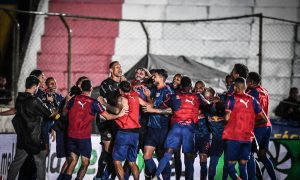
[218,44]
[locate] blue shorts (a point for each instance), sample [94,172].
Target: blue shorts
[216,147]
[202,145]
[181,135]
[263,135]
[156,137]
[81,147]
[125,146]
[237,150]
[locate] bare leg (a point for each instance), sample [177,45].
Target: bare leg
[84,165]
[72,161]
[119,170]
[134,170]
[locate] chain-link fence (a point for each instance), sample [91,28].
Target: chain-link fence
[266,45]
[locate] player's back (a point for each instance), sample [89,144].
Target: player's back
[80,117]
[242,118]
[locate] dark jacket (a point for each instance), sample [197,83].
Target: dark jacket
[27,122]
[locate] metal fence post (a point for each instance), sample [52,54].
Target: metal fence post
[147,37]
[295,54]
[69,50]
[260,43]
[15,55]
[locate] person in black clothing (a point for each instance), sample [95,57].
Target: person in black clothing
[27,124]
[289,108]
[109,91]
[5,95]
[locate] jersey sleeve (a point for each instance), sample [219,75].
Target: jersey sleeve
[175,102]
[257,107]
[97,108]
[167,102]
[71,103]
[254,93]
[230,103]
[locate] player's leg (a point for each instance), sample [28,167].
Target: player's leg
[216,151]
[151,141]
[245,150]
[178,163]
[187,135]
[232,154]
[72,161]
[132,154]
[265,133]
[85,150]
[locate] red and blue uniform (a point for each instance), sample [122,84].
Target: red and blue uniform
[127,137]
[216,122]
[201,130]
[239,130]
[158,123]
[263,131]
[81,112]
[182,122]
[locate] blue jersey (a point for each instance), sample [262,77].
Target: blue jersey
[161,100]
[216,120]
[201,127]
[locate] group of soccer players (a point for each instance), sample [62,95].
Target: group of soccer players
[163,119]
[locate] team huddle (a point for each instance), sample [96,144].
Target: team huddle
[164,119]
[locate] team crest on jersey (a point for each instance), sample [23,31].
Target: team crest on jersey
[157,94]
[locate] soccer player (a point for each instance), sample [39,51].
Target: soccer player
[215,116]
[240,113]
[109,91]
[202,134]
[199,87]
[239,70]
[175,85]
[127,137]
[262,132]
[182,128]
[158,122]
[81,112]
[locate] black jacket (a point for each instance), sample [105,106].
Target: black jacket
[28,121]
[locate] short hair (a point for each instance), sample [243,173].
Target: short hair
[152,71]
[293,89]
[31,81]
[86,85]
[36,73]
[228,76]
[111,65]
[178,74]
[49,79]
[211,90]
[242,70]
[239,80]
[163,73]
[200,82]
[185,82]
[125,86]
[255,77]
[80,79]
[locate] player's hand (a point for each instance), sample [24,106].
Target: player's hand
[123,112]
[148,108]
[68,97]
[50,98]
[53,135]
[146,91]
[101,100]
